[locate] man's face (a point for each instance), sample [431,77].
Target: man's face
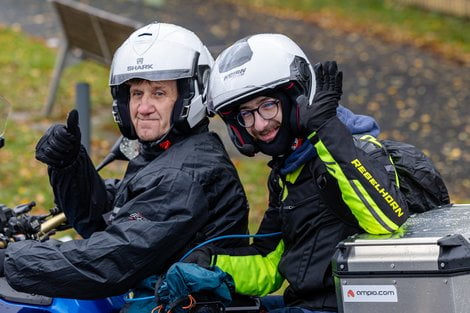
[263,129]
[151,105]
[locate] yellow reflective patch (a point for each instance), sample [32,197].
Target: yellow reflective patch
[291,178]
[385,195]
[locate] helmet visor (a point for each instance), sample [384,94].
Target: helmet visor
[169,62]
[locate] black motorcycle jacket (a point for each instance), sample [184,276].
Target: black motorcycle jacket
[168,201]
[346,189]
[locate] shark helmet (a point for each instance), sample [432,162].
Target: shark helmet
[263,64]
[157,52]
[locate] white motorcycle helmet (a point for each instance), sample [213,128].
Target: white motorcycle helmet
[263,64]
[157,52]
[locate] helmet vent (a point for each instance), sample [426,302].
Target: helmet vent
[145,34]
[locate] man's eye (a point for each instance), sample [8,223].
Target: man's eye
[245,113]
[268,105]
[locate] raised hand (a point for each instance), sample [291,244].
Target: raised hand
[328,91]
[60,145]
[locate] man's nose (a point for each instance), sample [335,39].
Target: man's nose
[146,105]
[260,122]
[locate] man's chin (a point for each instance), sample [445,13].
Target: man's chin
[150,135]
[147,137]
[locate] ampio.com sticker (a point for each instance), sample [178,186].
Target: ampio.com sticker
[369,293]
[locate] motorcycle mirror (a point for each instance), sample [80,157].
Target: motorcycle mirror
[123,149]
[5,108]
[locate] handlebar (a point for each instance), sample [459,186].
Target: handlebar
[16,224]
[53,223]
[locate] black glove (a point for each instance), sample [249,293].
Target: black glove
[201,257]
[60,145]
[2,262]
[328,91]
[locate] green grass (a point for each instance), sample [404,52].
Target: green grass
[22,178]
[254,174]
[26,65]
[388,18]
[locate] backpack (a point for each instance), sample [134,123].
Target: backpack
[420,181]
[188,287]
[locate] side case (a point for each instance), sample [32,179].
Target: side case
[423,268]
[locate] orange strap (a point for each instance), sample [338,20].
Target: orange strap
[192,302]
[157,309]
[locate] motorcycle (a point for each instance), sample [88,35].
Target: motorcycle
[18,224]
[423,267]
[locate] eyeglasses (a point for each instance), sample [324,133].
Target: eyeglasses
[267,110]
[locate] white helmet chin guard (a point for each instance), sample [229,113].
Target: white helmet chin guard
[257,65]
[159,52]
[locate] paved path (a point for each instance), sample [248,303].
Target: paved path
[415,95]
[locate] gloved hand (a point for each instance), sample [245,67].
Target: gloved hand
[2,262]
[60,145]
[328,91]
[201,256]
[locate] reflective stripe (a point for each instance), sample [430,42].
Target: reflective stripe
[311,135]
[397,180]
[284,190]
[367,221]
[371,139]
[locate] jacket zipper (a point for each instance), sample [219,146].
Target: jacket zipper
[306,200]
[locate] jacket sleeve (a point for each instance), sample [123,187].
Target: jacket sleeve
[254,275]
[365,182]
[144,240]
[255,269]
[82,195]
